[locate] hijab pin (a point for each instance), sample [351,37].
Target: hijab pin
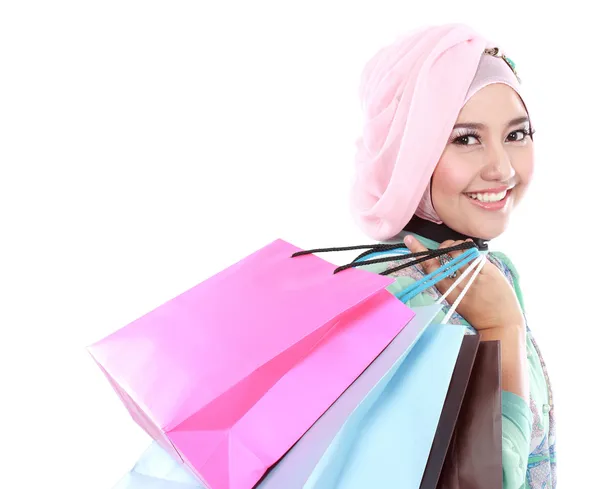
[496,53]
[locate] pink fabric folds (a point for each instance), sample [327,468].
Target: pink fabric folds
[230,374]
[411,92]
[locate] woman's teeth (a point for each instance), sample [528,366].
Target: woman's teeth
[488,197]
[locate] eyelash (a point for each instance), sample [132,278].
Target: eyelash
[477,135]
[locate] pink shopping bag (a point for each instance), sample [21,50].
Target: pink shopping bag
[230,374]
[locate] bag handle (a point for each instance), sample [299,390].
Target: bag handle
[370,248]
[429,280]
[441,273]
[477,265]
[400,246]
[418,257]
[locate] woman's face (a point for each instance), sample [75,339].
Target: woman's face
[487,164]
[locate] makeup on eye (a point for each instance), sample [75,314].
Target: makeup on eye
[467,134]
[465,137]
[526,131]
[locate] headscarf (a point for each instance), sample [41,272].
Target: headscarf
[412,92]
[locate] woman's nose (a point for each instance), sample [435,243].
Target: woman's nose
[498,165]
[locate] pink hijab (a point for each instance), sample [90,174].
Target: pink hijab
[412,92]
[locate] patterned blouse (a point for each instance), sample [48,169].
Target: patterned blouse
[528,429]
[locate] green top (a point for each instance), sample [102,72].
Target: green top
[527,427]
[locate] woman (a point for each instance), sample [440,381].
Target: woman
[446,155]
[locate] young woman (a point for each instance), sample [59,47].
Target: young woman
[446,155]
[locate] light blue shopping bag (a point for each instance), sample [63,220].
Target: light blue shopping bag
[386,441]
[156,469]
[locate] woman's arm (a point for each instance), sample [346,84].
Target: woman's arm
[516,413]
[515,367]
[516,439]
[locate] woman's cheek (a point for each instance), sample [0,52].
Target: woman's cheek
[450,178]
[524,167]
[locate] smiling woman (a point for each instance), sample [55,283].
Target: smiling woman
[446,155]
[487,165]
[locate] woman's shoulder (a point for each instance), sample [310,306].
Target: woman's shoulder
[505,264]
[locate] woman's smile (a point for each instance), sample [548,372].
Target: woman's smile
[490,199]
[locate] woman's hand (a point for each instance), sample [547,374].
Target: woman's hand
[492,308]
[489,303]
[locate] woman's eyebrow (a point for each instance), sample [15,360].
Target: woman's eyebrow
[469,125]
[481,126]
[517,121]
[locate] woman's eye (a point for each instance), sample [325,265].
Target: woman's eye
[517,135]
[466,140]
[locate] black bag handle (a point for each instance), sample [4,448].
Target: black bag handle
[370,249]
[418,257]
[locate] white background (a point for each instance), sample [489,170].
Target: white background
[146,145]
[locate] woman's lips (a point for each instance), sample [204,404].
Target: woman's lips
[483,200]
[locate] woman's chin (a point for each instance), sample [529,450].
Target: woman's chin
[490,229]
[486,229]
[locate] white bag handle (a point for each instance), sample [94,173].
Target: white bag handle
[479,263]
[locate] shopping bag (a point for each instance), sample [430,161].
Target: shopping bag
[230,374]
[297,465]
[386,441]
[474,458]
[156,469]
[450,411]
